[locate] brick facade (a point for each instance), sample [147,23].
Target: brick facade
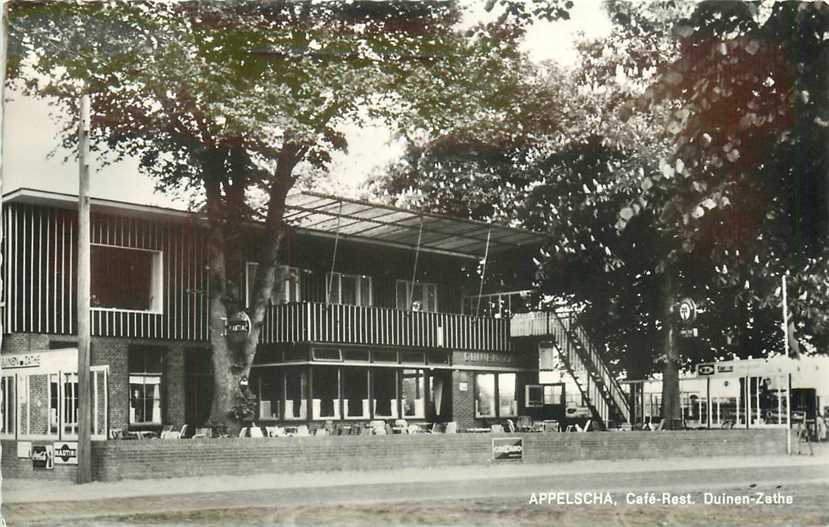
[114,352]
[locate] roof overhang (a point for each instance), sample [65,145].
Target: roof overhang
[371,222]
[331,216]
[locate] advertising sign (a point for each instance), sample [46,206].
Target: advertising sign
[706,368]
[43,457]
[687,311]
[24,449]
[66,452]
[507,449]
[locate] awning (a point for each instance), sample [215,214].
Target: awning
[394,226]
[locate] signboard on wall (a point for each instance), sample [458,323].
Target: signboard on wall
[66,452]
[24,449]
[507,449]
[43,457]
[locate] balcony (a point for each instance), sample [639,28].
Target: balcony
[346,324]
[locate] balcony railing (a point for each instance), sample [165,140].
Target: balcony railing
[346,324]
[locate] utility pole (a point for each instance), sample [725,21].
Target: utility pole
[4,33]
[84,387]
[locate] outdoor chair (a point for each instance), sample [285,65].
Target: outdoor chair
[525,423]
[302,431]
[255,432]
[586,426]
[436,428]
[401,426]
[497,429]
[203,433]
[116,433]
[451,427]
[173,434]
[414,429]
[510,426]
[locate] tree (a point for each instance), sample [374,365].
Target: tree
[232,102]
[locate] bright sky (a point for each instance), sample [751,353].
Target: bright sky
[30,133]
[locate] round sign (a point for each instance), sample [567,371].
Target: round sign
[687,311]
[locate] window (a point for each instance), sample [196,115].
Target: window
[145,372]
[502,402]
[412,394]
[296,388]
[326,400]
[533,396]
[70,403]
[349,289]
[269,387]
[417,296]
[384,389]
[7,393]
[485,395]
[507,403]
[126,279]
[355,393]
[553,394]
[291,284]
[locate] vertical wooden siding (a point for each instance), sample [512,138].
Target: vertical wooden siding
[40,269]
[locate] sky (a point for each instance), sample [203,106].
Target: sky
[31,133]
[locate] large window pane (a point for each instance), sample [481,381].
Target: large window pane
[268,384]
[70,403]
[412,396]
[145,399]
[485,395]
[507,404]
[326,393]
[7,388]
[124,278]
[384,388]
[296,388]
[145,373]
[355,392]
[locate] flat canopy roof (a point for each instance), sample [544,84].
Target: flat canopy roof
[324,215]
[388,225]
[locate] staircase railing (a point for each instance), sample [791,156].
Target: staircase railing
[609,387]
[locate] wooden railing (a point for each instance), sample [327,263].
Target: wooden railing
[345,324]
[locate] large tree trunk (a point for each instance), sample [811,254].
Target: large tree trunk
[232,360]
[671,409]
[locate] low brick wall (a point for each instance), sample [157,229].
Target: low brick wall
[115,460]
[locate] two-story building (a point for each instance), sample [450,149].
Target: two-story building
[380,317]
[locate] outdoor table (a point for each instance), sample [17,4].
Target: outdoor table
[478,430]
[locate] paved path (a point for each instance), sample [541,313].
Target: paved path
[27,491]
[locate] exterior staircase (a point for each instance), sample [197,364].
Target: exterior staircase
[598,387]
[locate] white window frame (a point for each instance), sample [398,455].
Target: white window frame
[156,282]
[407,305]
[61,434]
[9,402]
[331,299]
[287,271]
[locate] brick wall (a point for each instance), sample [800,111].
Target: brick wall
[145,459]
[463,403]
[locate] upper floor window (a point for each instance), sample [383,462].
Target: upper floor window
[291,284]
[352,289]
[126,278]
[417,296]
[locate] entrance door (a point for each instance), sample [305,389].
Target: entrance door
[198,374]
